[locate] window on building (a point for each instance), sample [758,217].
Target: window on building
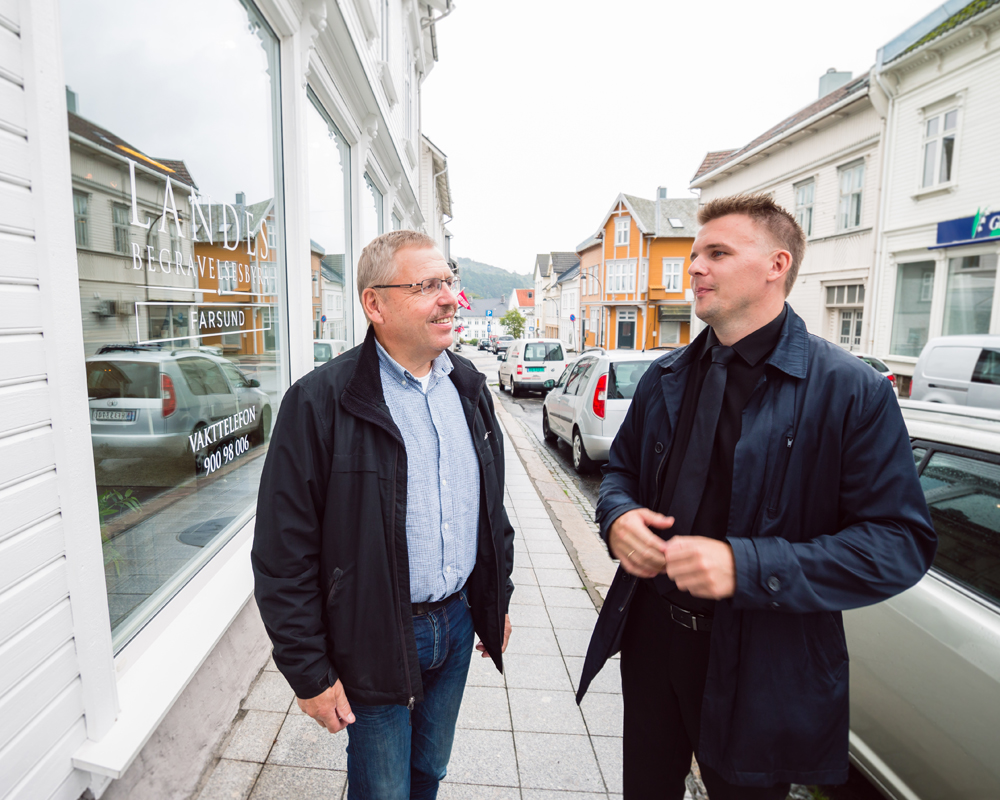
[968,299]
[673,280]
[408,88]
[805,194]
[397,223]
[846,303]
[643,273]
[120,224]
[81,204]
[939,148]
[852,178]
[670,332]
[622,227]
[384,26]
[911,315]
[169,360]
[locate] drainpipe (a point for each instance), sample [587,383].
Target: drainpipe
[878,270]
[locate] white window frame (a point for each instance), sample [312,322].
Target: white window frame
[623,227]
[643,285]
[673,274]
[936,140]
[841,308]
[846,208]
[803,206]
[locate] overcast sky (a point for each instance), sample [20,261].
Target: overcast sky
[548,110]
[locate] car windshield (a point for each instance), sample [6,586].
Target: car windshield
[543,351]
[122,379]
[874,362]
[623,377]
[322,352]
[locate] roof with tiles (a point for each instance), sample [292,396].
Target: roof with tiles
[563,261]
[481,305]
[570,274]
[542,264]
[526,298]
[719,158]
[593,241]
[973,9]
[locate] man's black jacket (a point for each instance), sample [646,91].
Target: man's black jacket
[329,555]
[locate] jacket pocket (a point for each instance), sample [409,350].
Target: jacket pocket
[780,471]
[354,462]
[335,584]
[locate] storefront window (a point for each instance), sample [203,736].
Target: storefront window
[175,152]
[329,230]
[371,211]
[911,317]
[968,302]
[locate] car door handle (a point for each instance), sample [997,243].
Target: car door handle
[952,388]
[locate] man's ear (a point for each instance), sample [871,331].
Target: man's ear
[781,262]
[373,304]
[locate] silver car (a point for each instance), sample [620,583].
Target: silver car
[925,665]
[150,402]
[589,401]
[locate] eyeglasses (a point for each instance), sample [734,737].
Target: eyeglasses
[429,286]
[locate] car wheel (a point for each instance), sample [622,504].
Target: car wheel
[263,432]
[581,461]
[514,390]
[547,432]
[500,380]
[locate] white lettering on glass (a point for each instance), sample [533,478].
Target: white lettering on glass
[136,256]
[225,228]
[165,267]
[168,196]
[206,225]
[135,202]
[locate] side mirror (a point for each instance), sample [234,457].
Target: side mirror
[253,383]
[548,384]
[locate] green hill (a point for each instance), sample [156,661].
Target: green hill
[482,280]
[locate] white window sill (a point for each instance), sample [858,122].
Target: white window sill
[157,677]
[934,191]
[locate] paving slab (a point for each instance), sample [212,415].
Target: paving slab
[464,791]
[529,616]
[557,761]
[583,619]
[546,546]
[568,578]
[483,758]
[533,641]
[573,641]
[281,783]
[485,708]
[603,713]
[230,780]
[571,598]
[552,561]
[254,735]
[523,576]
[483,672]
[609,757]
[526,595]
[546,794]
[303,743]
[545,711]
[526,671]
[271,692]
[607,681]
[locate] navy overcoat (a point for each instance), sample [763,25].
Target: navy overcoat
[827,514]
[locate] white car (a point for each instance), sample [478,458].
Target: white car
[529,363]
[925,665]
[326,350]
[587,405]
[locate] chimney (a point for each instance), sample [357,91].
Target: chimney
[503,299]
[661,194]
[70,100]
[832,81]
[241,199]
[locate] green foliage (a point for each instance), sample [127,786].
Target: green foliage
[513,322]
[473,342]
[482,280]
[113,504]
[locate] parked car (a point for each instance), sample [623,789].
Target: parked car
[326,350]
[925,665]
[527,364]
[879,366]
[589,401]
[148,402]
[501,343]
[959,370]
[482,344]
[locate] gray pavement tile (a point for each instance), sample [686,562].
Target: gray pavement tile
[539,532]
[270,666]
[609,757]
[270,693]
[519,545]
[573,641]
[523,576]
[569,578]
[303,743]
[465,791]
[546,546]
[607,681]
[603,713]
[293,708]
[526,595]
[545,794]
[280,783]
[536,672]
[557,761]
[230,780]
[535,519]
[552,561]
[484,708]
[570,598]
[252,739]
[483,758]
[522,559]
[533,641]
[529,616]
[583,619]
[545,711]
[483,672]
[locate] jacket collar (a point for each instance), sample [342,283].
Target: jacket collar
[790,355]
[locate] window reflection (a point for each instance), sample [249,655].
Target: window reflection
[180,271]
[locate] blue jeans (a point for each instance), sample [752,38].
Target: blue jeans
[393,754]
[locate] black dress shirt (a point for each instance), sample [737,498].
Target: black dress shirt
[742,376]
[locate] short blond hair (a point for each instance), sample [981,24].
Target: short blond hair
[762,209]
[377,266]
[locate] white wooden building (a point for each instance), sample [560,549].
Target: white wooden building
[937,255]
[216,141]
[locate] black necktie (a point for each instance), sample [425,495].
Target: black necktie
[698,456]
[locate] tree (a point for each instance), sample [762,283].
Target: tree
[513,322]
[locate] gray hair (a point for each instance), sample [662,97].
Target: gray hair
[377,266]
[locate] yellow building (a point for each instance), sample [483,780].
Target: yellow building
[634,286]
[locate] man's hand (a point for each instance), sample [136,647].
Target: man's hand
[637,548]
[704,567]
[506,636]
[330,709]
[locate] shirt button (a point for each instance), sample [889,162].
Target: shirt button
[446,526]
[449,569]
[658,447]
[444,482]
[773,583]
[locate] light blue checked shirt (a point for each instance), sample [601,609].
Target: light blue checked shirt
[442,477]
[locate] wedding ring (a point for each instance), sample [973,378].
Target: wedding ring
[630,554]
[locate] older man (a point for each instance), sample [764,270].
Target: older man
[382,542]
[761,483]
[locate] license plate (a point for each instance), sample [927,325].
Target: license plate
[116,416]
[536,369]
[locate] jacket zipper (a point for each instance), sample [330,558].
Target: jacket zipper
[780,471]
[395,571]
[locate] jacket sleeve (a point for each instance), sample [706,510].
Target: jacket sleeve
[886,546]
[505,526]
[286,546]
[620,488]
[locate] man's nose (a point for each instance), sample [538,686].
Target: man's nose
[695,267]
[447,294]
